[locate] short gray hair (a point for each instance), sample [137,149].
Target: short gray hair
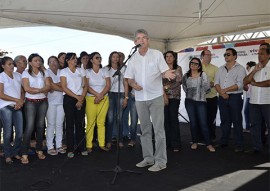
[143,31]
[17,59]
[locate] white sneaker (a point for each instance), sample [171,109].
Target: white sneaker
[144,163]
[84,153]
[157,167]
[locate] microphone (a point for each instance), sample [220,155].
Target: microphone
[137,46]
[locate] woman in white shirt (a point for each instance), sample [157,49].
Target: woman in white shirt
[83,60]
[97,101]
[36,85]
[11,102]
[61,59]
[55,114]
[73,83]
[111,68]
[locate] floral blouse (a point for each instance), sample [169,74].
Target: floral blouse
[173,88]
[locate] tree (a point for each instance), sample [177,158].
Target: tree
[3,53]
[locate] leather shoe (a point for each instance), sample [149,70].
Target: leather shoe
[238,149]
[253,151]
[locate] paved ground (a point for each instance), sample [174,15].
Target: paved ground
[186,170]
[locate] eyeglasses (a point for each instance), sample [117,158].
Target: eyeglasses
[98,58]
[194,63]
[227,54]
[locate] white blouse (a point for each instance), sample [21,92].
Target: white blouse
[97,81]
[114,80]
[55,97]
[12,87]
[35,81]
[74,80]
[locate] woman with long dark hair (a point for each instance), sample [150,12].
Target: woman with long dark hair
[111,68]
[61,59]
[11,102]
[73,84]
[172,95]
[36,85]
[97,101]
[196,85]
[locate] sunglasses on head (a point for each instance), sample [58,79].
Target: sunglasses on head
[194,63]
[227,54]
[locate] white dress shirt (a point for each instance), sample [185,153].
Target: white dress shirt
[147,72]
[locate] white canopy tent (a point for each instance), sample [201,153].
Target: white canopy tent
[172,24]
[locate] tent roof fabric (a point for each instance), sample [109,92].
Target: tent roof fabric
[171,24]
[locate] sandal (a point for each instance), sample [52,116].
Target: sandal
[9,160]
[40,155]
[104,149]
[194,146]
[61,150]
[211,148]
[18,157]
[121,145]
[131,143]
[52,152]
[109,145]
[89,150]
[64,146]
[24,159]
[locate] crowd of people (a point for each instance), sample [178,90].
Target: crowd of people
[52,104]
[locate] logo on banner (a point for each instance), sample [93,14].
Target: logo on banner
[254,51]
[214,55]
[241,53]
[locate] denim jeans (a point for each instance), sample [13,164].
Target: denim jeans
[197,113]
[231,113]
[35,115]
[9,116]
[172,129]
[258,113]
[0,127]
[125,117]
[133,118]
[246,113]
[112,116]
[75,129]
[212,105]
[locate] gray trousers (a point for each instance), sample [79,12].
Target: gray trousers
[147,110]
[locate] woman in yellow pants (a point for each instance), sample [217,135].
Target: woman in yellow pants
[97,102]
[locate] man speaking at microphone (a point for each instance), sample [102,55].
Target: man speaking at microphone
[144,73]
